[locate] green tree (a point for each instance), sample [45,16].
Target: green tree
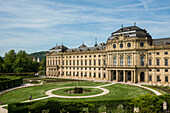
[43,64]
[1,64]
[22,62]
[9,61]
[34,66]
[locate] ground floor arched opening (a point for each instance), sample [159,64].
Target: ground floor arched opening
[142,76]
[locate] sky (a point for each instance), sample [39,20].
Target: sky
[38,25]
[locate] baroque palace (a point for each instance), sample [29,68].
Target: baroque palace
[129,55]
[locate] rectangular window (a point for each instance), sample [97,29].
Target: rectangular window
[150,78]
[85,74]
[157,62]
[166,78]
[89,62]
[70,62]
[150,62]
[142,60]
[99,75]
[81,62]
[94,75]
[85,62]
[114,61]
[94,62]
[121,61]
[99,62]
[63,62]
[104,62]
[129,61]
[73,62]
[81,74]
[56,62]
[59,62]
[158,78]
[77,62]
[104,75]
[66,62]
[166,62]
[89,74]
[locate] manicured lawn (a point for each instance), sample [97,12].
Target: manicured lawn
[162,89]
[117,91]
[38,91]
[93,91]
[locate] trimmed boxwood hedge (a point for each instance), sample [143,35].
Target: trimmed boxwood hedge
[72,107]
[9,83]
[54,106]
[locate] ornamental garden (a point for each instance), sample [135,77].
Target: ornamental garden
[54,95]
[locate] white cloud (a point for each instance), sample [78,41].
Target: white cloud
[32,24]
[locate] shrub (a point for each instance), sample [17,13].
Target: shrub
[148,102]
[9,83]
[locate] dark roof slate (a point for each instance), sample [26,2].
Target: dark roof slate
[159,41]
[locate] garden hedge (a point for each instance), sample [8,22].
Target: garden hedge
[54,106]
[9,83]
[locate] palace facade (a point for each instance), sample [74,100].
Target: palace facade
[129,55]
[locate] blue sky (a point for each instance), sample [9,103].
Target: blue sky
[37,25]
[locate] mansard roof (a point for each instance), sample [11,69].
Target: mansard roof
[98,47]
[159,41]
[131,31]
[82,46]
[58,48]
[129,28]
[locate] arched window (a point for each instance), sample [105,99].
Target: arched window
[129,76]
[129,61]
[129,44]
[142,76]
[150,78]
[142,60]
[121,45]
[141,44]
[166,78]
[121,61]
[114,61]
[114,45]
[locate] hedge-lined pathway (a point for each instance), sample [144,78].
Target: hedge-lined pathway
[2,110]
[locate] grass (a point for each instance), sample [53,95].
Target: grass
[161,89]
[117,91]
[38,91]
[93,92]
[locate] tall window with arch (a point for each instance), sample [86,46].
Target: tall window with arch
[114,61]
[121,61]
[142,60]
[129,61]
